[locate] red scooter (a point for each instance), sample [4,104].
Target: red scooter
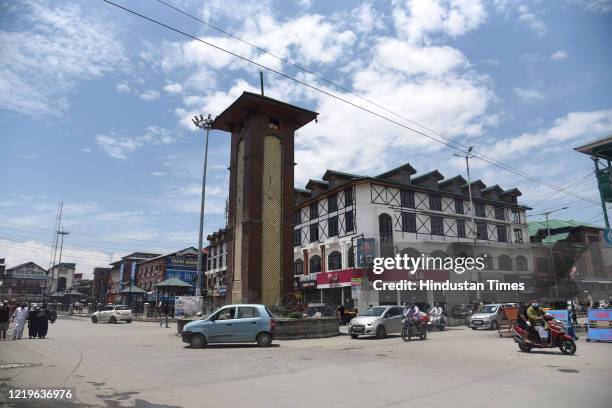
[556,338]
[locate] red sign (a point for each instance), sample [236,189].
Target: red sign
[337,279]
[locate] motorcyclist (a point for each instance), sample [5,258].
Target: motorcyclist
[523,321]
[535,313]
[413,313]
[436,313]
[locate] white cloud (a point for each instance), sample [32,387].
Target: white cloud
[54,49]
[158,174]
[528,95]
[532,21]
[575,125]
[86,150]
[597,6]
[173,88]
[149,95]
[120,146]
[402,56]
[559,55]
[122,87]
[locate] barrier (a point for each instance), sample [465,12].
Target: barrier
[600,325]
[565,317]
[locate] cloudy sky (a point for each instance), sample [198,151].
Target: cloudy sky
[95,105]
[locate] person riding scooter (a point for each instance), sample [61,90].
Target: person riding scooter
[523,321]
[535,313]
[436,314]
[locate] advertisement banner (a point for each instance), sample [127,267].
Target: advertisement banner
[600,325]
[186,306]
[121,275]
[366,252]
[133,274]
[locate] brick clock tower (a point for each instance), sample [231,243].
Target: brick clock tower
[260,244]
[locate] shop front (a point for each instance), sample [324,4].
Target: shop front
[335,287]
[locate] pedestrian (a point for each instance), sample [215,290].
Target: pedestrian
[33,321]
[19,319]
[43,321]
[341,314]
[5,317]
[164,310]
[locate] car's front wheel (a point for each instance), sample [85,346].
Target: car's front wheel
[113,319]
[264,340]
[494,325]
[354,336]
[197,341]
[128,321]
[94,319]
[381,333]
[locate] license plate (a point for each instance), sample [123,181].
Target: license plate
[358,329]
[477,322]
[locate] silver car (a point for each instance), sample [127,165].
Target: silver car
[377,321]
[488,316]
[232,324]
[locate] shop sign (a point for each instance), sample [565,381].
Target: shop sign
[366,252]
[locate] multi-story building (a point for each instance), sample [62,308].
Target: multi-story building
[25,282]
[215,282]
[62,276]
[403,214]
[179,264]
[99,286]
[574,244]
[123,273]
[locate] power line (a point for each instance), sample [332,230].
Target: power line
[481,156]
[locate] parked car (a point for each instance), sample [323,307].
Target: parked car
[489,316]
[462,311]
[113,314]
[377,321]
[232,324]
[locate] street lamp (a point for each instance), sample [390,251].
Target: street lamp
[204,124]
[552,262]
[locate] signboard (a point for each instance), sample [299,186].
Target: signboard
[366,252]
[604,182]
[133,274]
[187,305]
[600,325]
[607,235]
[121,275]
[184,260]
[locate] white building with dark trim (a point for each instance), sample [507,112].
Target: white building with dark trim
[409,214]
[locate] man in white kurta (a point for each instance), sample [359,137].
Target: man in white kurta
[19,318]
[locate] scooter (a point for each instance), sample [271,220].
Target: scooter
[411,329]
[438,322]
[557,337]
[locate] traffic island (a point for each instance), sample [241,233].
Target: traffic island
[307,328]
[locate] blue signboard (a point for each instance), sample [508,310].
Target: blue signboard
[133,274]
[121,275]
[566,318]
[600,325]
[366,252]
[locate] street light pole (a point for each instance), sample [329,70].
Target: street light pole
[550,250]
[204,124]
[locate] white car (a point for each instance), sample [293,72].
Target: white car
[113,314]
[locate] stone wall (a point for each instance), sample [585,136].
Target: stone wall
[307,328]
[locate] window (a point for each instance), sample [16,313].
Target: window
[315,264]
[225,314]
[479,210]
[502,233]
[500,213]
[461,228]
[297,237]
[314,232]
[314,211]
[594,247]
[481,230]
[518,235]
[385,228]
[487,261]
[516,217]
[505,263]
[458,206]
[332,203]
[348,197]
[521,263]
[407,198]
[349,221]
[247,312]
[435,202]
[298,267]
[408,222]
[297,219]
[332,226]
[437,226]
[334,261]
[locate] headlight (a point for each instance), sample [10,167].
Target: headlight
[369,324]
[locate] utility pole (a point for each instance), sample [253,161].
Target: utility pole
[468,156]
[204,124]
[61,232]
[550,245]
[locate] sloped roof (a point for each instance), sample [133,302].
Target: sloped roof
[435,174]
[172,283]
[555,237]
[132,289]
[330,173]
[535,226]
[458,178]
[407,167]
[24,264]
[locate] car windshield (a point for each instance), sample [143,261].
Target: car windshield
[374,311]
[463,307]
[489,309]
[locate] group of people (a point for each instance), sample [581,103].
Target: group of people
[37,319]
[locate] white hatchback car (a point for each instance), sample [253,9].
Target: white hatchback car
[113,314]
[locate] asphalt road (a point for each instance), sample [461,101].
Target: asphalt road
[143,365]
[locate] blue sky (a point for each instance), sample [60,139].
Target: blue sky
[95,105]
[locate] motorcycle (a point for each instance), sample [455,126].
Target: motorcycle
[557,337]
[438,322]
[411,329]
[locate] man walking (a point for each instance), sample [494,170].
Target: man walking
[164,311]
[5,317]
[19,318]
